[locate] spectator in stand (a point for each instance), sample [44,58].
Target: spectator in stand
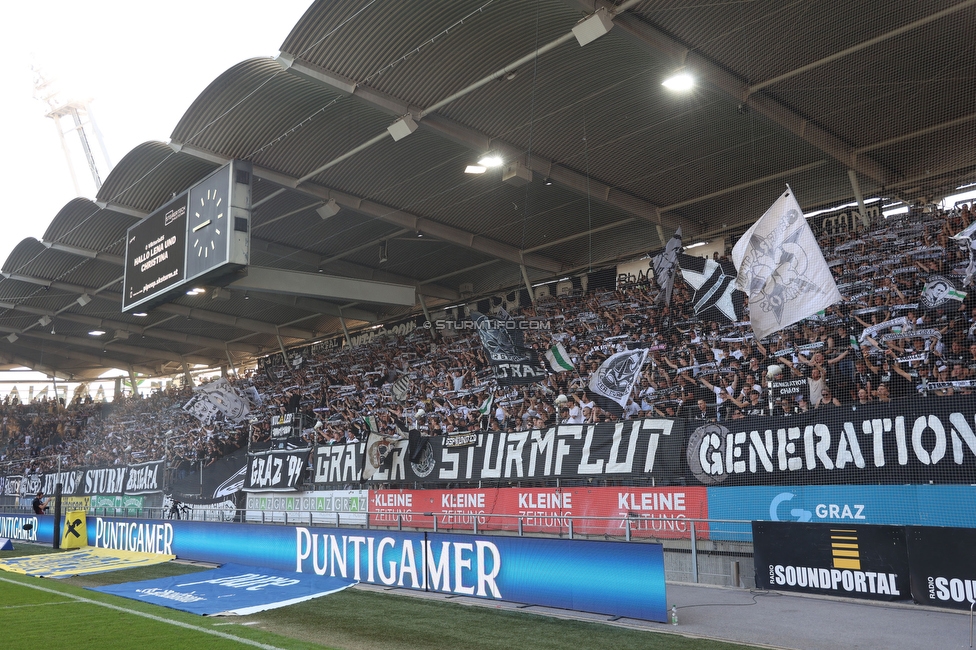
[451,378]
[827,399]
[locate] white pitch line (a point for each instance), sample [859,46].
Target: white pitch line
[152,617]
[57,602]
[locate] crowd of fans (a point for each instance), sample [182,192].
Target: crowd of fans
[694,369]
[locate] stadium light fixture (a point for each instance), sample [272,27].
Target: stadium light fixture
[96,333]
[593,26]
[475,169]
[140,314]
[679,82]
[402,127]
[328,209]
[84,299]
[491,160]
[13,337]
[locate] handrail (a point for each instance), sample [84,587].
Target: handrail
[240,514]
[971,623]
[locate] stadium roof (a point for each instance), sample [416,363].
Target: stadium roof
[819,95]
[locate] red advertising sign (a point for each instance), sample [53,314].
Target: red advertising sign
[659,512]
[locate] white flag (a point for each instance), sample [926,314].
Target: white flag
[558,358]
[379,453]
[782,270]
[614,380]
[665,265]
[225,399]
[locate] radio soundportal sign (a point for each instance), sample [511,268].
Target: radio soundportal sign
[854,561]
[943,572]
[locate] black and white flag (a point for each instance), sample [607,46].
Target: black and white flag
[665,266]
[201,408]
[379,453]
[224,398]
[615,379]
[512,362]
[782,270]
[966,239]
[937,293]
[716,297]
[400,388]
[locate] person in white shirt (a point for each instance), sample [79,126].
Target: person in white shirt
[723,390]
[575,415]
[584,401]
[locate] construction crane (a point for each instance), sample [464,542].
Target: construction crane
[82,122]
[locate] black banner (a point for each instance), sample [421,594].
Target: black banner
[218,479]
[910,441]
[503,344]
[634,449]
[790,389]
[285,426]
[142,478]
[275,470]
[943,569]
[869,562]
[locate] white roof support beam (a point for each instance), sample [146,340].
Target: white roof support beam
[399,218]
[274,249]
[319,285]
[173,308]
[351,270]
[118,260]
[314,305]
[27,363]
[136,352]
[477,141]
[650,37]
[155,332]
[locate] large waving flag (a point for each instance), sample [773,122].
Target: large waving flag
[225,398]
[401,388]
[615,379]
[782,270]
[966,239]
[558,359]
[379,453]
[716,297]
[512,362]
[665,266]
[938,291]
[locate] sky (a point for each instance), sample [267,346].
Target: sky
[140,63]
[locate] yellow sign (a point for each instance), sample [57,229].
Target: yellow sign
[74,503]
[75,533]
[86,560]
